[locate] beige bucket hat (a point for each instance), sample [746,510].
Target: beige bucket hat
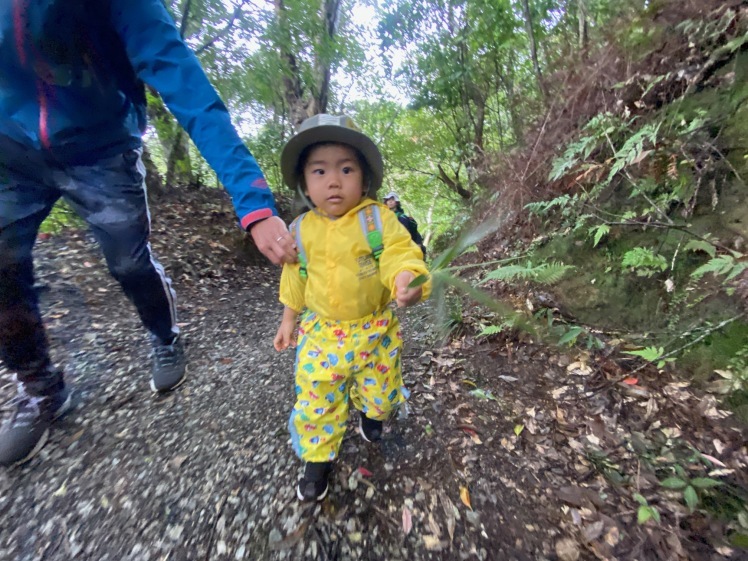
[330,128]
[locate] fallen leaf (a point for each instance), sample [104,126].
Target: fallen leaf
[62,491]
[465,497]
[714,460]
[631,381]
[451,513]
[177,461]
[407,520]
[365,472]
[291,539]
[433,526]
[593,531]
[518,429]
[567,550]
[482,394]
[432,543]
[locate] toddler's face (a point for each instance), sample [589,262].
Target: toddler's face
[334,178]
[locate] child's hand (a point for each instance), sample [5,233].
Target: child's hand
[405,296]
[285,336]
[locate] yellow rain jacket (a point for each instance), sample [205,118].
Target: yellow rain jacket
[343,280]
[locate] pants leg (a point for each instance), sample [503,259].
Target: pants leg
[111,197]
[26,198]
[319,417]
[377,385]
[339,362]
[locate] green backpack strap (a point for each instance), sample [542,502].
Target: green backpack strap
[295,229]
[371,225]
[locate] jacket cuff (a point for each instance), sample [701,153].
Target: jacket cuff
[255,216]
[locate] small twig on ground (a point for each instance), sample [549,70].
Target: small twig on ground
[667,355]
[211,539]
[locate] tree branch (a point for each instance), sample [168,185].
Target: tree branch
[223,32]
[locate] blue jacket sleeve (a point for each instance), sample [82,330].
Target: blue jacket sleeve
[162,60]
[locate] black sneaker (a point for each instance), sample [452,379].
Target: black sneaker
[26,432]
[370,430]
[169,365]
[313,486]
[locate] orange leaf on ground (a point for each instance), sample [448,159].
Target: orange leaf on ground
[631,381]
[465,497]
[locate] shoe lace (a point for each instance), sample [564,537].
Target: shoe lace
[166,355]
[27,408]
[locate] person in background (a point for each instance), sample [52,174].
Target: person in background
[393,203]
[354,259]
[72,113]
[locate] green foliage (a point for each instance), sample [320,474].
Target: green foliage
[733,379]
[644,262]
[690,489]
[645,512]
[701,245]
[542,208]
[544,273]
[598,233]
[728,265]
[655,355]
[599,129]
[61,217]
[633,148]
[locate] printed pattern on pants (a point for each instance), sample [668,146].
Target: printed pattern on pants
[338,362]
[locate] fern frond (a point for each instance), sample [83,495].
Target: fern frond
[701,245]
[545,273]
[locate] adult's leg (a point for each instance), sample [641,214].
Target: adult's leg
[25,200]
[24,203]
[111,197]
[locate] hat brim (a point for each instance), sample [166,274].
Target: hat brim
[331,133]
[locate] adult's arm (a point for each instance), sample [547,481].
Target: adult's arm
[164,61]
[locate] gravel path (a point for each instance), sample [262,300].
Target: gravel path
[509,450]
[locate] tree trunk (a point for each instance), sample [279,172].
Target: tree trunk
[179,164]
[582,20]
[154,184]
[533,47]
[454,184]
[331,9]
[430,218]
[513,105]
[302,101]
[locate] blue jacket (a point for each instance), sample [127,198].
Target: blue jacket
[71,88]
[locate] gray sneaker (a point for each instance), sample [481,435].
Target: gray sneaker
[169,365]
[27,430]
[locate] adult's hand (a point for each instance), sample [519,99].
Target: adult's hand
[274,240]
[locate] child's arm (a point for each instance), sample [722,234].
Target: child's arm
[405,296]
[292,297]
[401,262]
[285,336]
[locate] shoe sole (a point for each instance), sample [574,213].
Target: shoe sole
[64,408]
[361,431]
[154,389]
[318,499]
